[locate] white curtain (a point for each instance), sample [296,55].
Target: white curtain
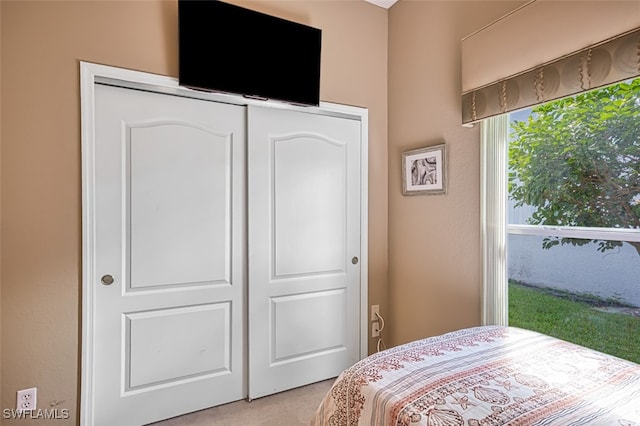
[493,216]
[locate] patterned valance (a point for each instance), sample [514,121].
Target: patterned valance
[601,64]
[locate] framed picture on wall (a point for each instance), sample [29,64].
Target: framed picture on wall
[424,170]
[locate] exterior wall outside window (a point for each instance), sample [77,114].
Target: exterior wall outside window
[614,274]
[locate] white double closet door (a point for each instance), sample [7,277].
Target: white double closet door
[225,252]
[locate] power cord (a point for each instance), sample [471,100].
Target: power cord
[380,346]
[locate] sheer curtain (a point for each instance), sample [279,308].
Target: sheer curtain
[493,216]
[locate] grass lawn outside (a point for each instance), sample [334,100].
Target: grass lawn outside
[604,325]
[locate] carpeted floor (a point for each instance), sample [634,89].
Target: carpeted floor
[294,407]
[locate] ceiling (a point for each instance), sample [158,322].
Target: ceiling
[383,3]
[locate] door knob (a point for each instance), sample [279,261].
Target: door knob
[107,280]
[354,260]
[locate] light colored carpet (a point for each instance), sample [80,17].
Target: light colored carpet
[295,407]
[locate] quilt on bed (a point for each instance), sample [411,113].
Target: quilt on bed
[489,375]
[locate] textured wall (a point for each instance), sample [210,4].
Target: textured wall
[435,281]
[42,44]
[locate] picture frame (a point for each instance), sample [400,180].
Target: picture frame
[424,170]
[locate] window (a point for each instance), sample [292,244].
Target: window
[567,228]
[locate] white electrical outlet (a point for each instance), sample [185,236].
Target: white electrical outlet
[27,399]
[375,329]
[375,311]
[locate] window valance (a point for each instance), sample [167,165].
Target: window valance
[547,50]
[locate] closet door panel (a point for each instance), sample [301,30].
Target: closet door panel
[169,271]
[309,185]
[180,195]
[303,229]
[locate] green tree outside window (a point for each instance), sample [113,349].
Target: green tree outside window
[577,161]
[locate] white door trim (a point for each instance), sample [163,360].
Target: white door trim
[90,74]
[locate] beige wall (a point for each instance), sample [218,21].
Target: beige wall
[424,271]
[434,240]
[43,43]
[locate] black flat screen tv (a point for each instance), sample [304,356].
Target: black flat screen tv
[230,49]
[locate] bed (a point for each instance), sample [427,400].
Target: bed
[485,376]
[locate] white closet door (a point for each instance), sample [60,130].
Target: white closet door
[304,247]
[169,203]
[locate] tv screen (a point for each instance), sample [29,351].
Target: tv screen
[231,49]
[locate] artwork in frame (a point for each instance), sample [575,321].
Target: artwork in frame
[424,170]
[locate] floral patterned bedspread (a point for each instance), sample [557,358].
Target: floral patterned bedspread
[485,376]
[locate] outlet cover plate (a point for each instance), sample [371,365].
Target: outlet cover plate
[27,399]
[375,309]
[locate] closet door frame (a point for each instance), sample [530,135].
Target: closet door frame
[92,74]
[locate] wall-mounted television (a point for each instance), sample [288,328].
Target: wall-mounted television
[230,49]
